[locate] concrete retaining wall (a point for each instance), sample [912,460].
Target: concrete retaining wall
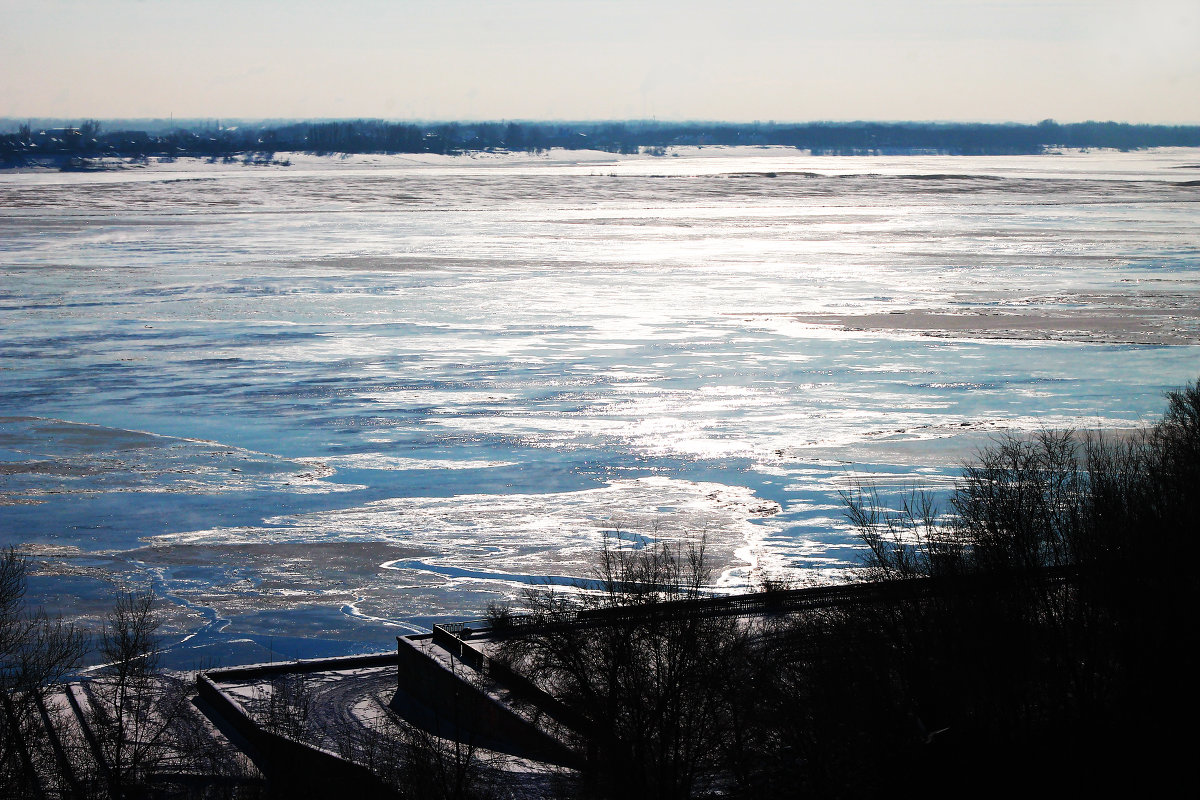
[454,698]
[253,671]
[294,769]
[520,686]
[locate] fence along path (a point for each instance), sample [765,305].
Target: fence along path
[780,601]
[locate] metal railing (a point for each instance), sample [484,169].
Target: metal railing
[781,601]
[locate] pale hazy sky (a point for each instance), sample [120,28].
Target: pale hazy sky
[1019,60]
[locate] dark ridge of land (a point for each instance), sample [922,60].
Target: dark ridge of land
[73,145]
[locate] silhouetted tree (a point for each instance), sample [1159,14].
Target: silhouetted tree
[1051,636]
[658,688]
[135,706]
[37,652]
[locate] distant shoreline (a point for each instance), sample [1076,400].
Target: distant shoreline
[77,147]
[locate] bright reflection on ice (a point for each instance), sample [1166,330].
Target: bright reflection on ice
[476,366]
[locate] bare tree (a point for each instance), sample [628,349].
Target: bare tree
[288,706]
[657,688]
[440,764]
[37,652]
[428,753]
[135,705]
[1072,556]
[901,543]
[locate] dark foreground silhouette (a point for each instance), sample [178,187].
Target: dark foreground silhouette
[1035,639]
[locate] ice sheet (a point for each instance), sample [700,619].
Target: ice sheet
[491,362]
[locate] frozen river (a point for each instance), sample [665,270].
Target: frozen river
[317,405]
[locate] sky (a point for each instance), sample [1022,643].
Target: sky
[782,60]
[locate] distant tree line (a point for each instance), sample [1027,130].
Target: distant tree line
[89,140]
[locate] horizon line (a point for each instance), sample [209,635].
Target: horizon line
[586,120]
